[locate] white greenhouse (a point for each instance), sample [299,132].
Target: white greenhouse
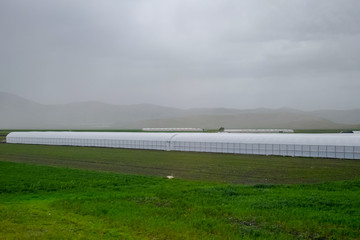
[173,129]
[345,146]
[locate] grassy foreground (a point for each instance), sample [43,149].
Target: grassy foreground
[42,202]
[226,168]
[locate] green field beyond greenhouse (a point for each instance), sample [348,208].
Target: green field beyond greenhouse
[285,197]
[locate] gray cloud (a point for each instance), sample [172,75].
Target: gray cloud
[244,54]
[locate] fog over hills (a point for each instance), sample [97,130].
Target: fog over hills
[20,113]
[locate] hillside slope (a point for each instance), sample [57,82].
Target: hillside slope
[20,113]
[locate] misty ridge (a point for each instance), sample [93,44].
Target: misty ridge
[21,113]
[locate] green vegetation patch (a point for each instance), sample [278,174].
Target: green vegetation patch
[41,202]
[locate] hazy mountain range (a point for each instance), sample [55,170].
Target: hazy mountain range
[20,113]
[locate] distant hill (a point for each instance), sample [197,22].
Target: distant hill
[20,113]
[339,116]
[246,120]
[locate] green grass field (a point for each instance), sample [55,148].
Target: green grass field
[41,202]
[128,196]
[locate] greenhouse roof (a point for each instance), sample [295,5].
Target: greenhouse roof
[276,138]
[254,138]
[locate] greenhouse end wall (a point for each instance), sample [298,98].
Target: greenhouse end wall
[345,146]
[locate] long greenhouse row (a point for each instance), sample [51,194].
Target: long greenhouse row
[346,146]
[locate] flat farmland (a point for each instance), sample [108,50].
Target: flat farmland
[42,202]
[210,167]
[63,192]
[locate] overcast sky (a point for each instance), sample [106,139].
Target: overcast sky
[301,54]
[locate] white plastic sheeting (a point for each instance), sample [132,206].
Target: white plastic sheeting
[306,145]
[158,141]
[173,129]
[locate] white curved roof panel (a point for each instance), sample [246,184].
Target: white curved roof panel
[268,138]
[96,135]
[173,129]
